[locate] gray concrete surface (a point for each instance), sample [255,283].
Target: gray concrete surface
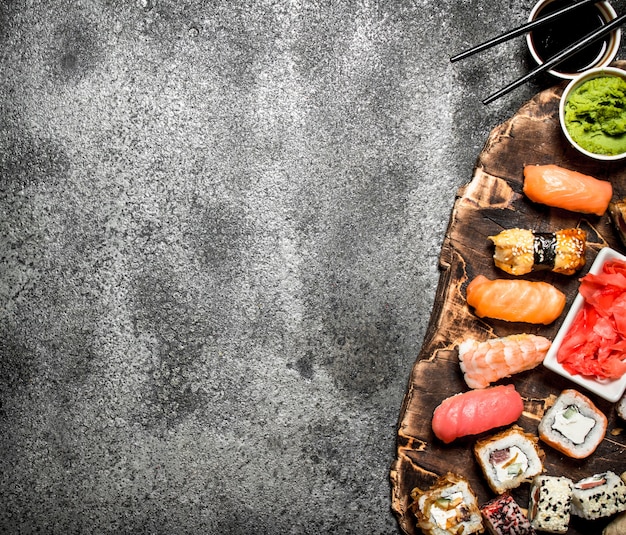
[220,224]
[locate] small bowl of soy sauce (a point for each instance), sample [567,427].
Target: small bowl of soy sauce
[548,40]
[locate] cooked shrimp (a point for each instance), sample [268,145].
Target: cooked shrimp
[489,361]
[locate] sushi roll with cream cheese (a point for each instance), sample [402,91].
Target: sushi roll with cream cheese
[449,507]
[549,503]
[598,496]
[509,458]
[573,425]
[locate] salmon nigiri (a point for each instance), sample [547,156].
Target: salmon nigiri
[515,300]
[488,361]
[476,411]
[559,187]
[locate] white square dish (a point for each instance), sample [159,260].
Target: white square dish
[610,390]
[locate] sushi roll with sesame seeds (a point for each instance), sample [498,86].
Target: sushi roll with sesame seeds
[550,501]
[599,496]
[503,516]
[617,526]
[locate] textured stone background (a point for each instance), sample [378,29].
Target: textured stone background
[219,231]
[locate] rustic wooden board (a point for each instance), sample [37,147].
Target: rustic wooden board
[490,202]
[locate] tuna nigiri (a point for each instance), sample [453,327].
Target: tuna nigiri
[563,188]
[515,300]
[476,411]
[486,362]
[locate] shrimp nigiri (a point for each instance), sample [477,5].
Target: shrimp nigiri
[515,300]
[486,362]
[476,411]
[559,187]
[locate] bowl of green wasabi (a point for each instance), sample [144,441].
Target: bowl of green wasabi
[592,113]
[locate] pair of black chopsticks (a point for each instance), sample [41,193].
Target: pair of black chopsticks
[555,60]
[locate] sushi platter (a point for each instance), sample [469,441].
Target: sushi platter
[491,201]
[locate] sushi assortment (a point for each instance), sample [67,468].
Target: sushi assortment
[554,499]
[507,455]
[450,505]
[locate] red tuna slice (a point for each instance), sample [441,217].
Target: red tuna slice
[476,411]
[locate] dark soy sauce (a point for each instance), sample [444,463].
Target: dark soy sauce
[556,36]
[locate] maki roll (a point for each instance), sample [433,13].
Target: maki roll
[520,251]
[509,458]
[550,502]
[449,507]
[503,516]
[598,496]
[573,425]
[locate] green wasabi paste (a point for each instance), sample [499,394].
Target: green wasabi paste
[595,115]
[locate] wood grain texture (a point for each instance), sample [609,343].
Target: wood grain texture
[493,201]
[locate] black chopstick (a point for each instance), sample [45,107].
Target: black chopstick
[563,55]
[521,29]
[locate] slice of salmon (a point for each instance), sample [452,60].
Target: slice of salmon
[515,300]
[562,188]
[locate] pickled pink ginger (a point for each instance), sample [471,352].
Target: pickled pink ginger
[595,344]
[476,411]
